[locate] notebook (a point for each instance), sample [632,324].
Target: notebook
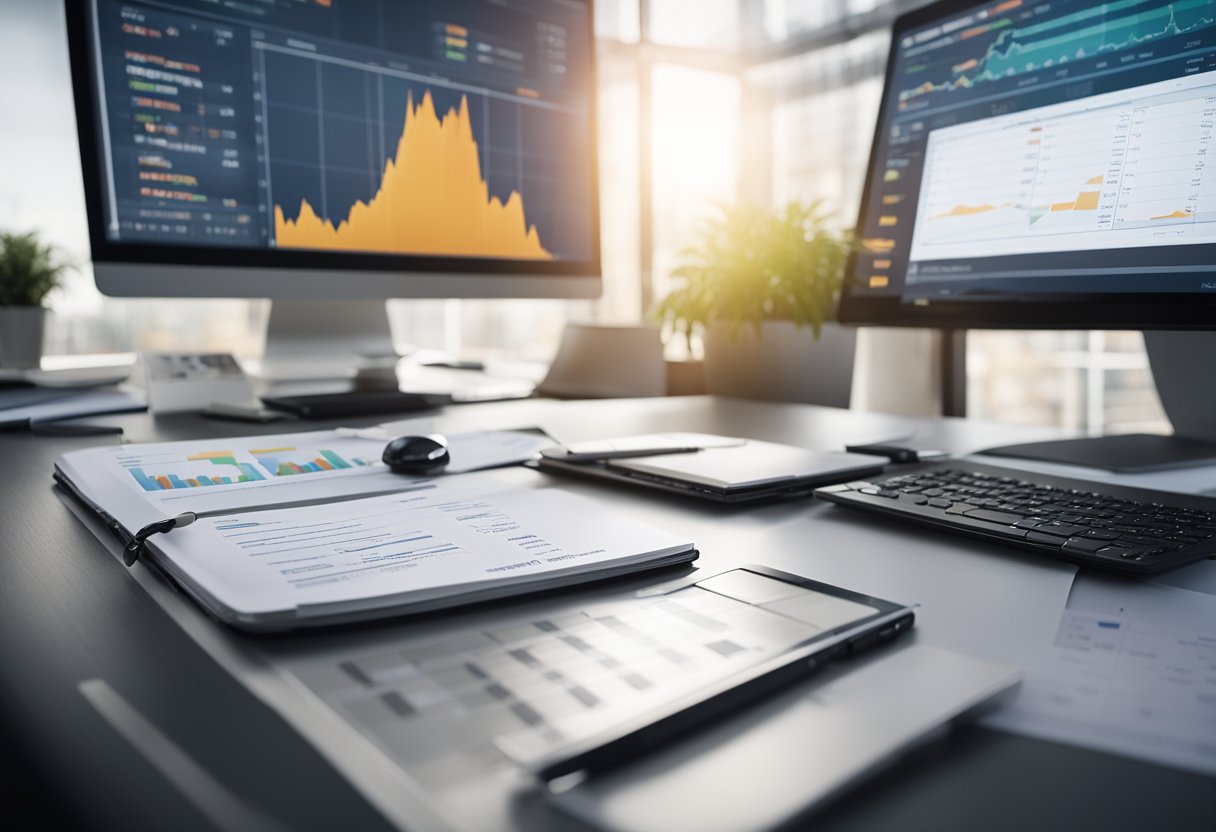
[297,530]
[743,470]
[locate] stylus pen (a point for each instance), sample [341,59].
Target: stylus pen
[627,741]
[632,453]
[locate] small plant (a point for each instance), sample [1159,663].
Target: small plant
[750,264]
[29,269]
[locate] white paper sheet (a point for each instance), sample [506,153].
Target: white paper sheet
[1132,671]
[167,478]
[161,479]
[401,549]
[476,450]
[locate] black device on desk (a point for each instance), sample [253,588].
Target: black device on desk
[339,405]
[844,623]
[416,455]
[1131,530]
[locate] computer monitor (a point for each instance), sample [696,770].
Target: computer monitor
[1049,164]
[338,151]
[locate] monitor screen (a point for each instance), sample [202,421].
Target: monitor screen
[1044,163]
[432,134]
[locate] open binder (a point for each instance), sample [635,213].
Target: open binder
[297,530]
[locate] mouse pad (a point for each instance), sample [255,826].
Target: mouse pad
[1126,454]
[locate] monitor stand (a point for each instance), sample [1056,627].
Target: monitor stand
[325,340]
[1184,369]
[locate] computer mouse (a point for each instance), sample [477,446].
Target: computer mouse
[418,455]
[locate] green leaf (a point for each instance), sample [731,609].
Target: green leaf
[749,264]
[29,269]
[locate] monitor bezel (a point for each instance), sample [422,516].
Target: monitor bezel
[1142,311]
[269,272]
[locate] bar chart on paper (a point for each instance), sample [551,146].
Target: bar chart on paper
[207,468]
[289,461]
[1126,170]
[165,468]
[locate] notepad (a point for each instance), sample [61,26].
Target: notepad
[307,529]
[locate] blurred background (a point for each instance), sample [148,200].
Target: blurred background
[700,102]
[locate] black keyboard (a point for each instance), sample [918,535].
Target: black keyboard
[1129,530]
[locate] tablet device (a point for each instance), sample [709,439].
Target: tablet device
[583,681]
[759,630]
[750,470]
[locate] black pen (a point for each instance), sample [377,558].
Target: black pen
[627,740]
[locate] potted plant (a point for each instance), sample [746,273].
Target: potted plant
[29,270]
[761,287]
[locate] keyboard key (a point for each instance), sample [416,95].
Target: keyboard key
[1061,529]
[996,516]
[1122,552]
[1140,541]
[962,521]
[1084,544]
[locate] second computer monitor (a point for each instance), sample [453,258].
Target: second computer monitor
[1044,164]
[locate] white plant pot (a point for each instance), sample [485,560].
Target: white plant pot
[21,333]
[785,363]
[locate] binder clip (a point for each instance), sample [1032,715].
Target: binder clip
[135,547]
